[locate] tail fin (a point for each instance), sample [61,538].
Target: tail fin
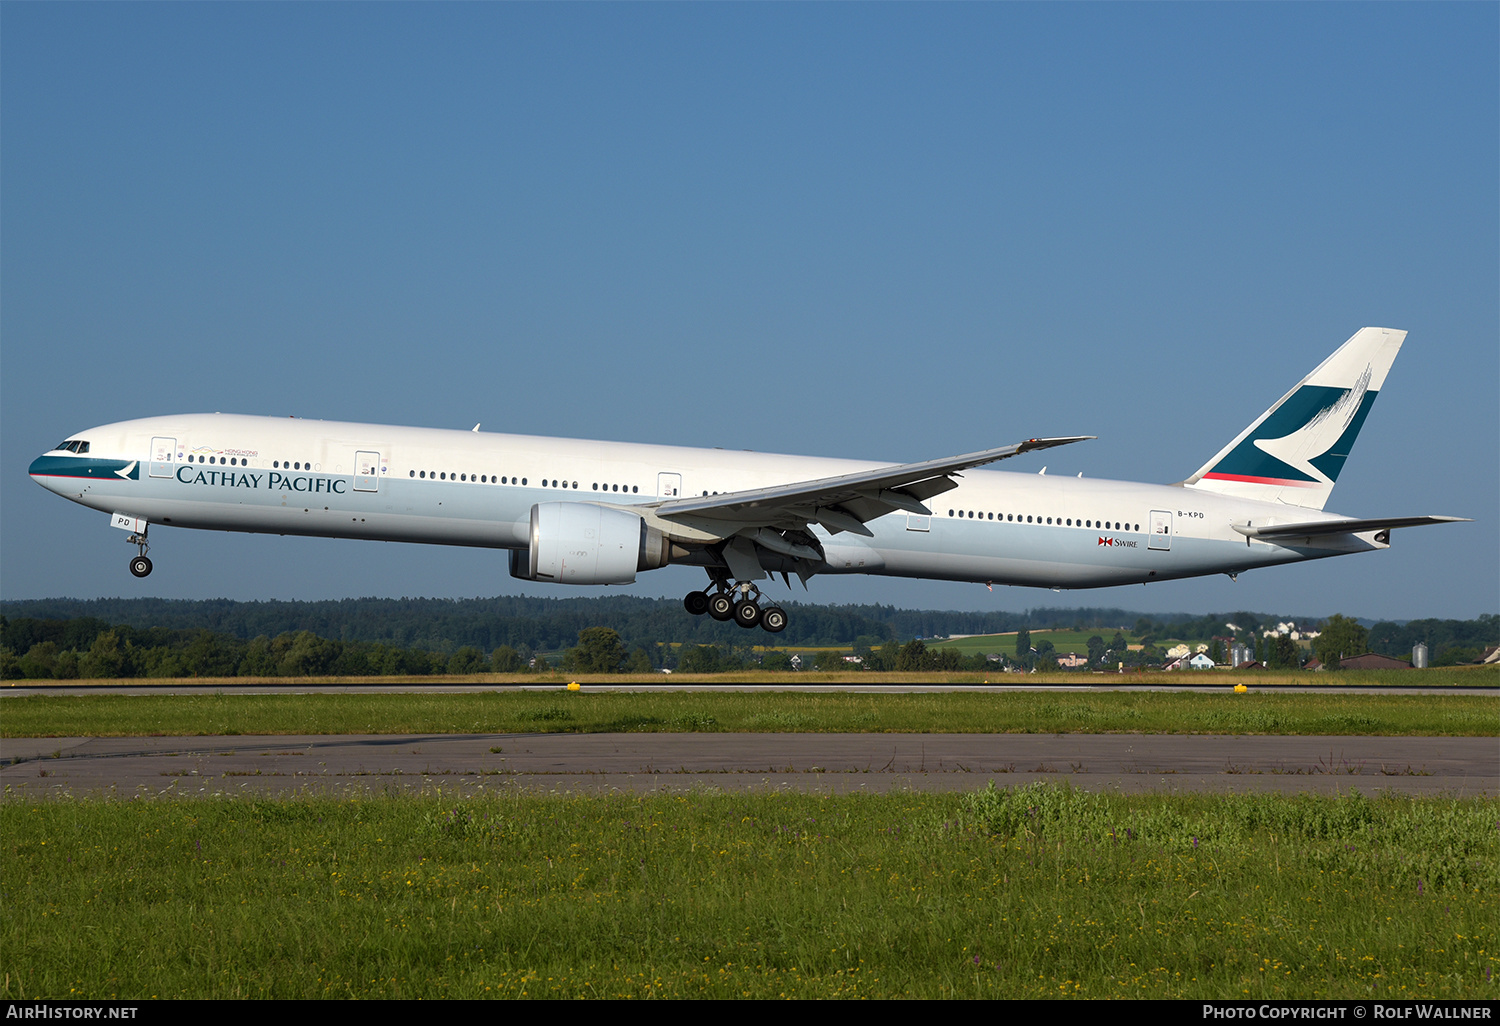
[1293,453]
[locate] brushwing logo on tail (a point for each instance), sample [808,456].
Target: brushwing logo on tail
[1305,441]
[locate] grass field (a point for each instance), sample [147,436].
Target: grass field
[1063,641]
[1446,676]
[1038,892]
[585,711]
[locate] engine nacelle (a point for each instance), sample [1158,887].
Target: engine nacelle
[584,543]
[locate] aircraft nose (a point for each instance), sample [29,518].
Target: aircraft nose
[44,471]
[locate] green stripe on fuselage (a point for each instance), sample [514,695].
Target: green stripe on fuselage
[83,466]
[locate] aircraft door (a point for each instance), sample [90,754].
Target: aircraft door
[163,456]
[367,472]
[669,486]
[1161,529]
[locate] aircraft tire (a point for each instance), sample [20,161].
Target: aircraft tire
[720,606]
[140,566]
[773,620]
[746,613]
[696,602]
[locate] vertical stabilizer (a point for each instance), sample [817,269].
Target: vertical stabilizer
[1293,453]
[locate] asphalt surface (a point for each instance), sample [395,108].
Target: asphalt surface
[821,763]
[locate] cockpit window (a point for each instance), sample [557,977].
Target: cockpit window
[76,445]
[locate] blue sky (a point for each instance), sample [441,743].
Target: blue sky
[889,231]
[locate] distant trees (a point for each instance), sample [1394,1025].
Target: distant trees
[699,659]
[507,660]
[1096,651]
[913,657]
[828,661]
[778,661]
[599,650]
[1282,653]
[106,658]
[1447,641]
[93,647]
[1340,638]
[468,660]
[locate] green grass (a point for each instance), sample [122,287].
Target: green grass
[1005,644]
[1040,892]
[998,711]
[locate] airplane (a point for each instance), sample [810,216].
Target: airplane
[598,513]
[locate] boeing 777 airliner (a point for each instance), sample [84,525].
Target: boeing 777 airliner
[580,512]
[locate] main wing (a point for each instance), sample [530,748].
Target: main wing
[843,503]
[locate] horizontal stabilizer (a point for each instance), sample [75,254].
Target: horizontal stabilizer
[1321,527]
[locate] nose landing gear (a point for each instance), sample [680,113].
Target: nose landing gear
[744,610]
[140,566]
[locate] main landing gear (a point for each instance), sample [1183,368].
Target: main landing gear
[744,610]
[140,566]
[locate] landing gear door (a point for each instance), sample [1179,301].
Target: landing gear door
[1161,529]
[163,456]
[669,486]
[367,472]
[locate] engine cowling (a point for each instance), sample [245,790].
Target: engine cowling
[585,543]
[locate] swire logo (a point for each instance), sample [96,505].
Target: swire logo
[1118,543]
[1106,541]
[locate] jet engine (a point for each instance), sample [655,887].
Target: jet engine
[585,543]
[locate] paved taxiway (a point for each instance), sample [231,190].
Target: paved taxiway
[823,763]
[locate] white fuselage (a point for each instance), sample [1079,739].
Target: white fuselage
[290,476]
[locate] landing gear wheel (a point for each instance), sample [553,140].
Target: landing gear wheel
[140,566]
[720,606]
[746,613]
[773,620]
[696,602]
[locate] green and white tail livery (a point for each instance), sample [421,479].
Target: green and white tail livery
[1293,453]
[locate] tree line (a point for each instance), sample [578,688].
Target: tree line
[94,647]
[552,624]
[90,648]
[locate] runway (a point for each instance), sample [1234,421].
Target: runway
[817,763]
